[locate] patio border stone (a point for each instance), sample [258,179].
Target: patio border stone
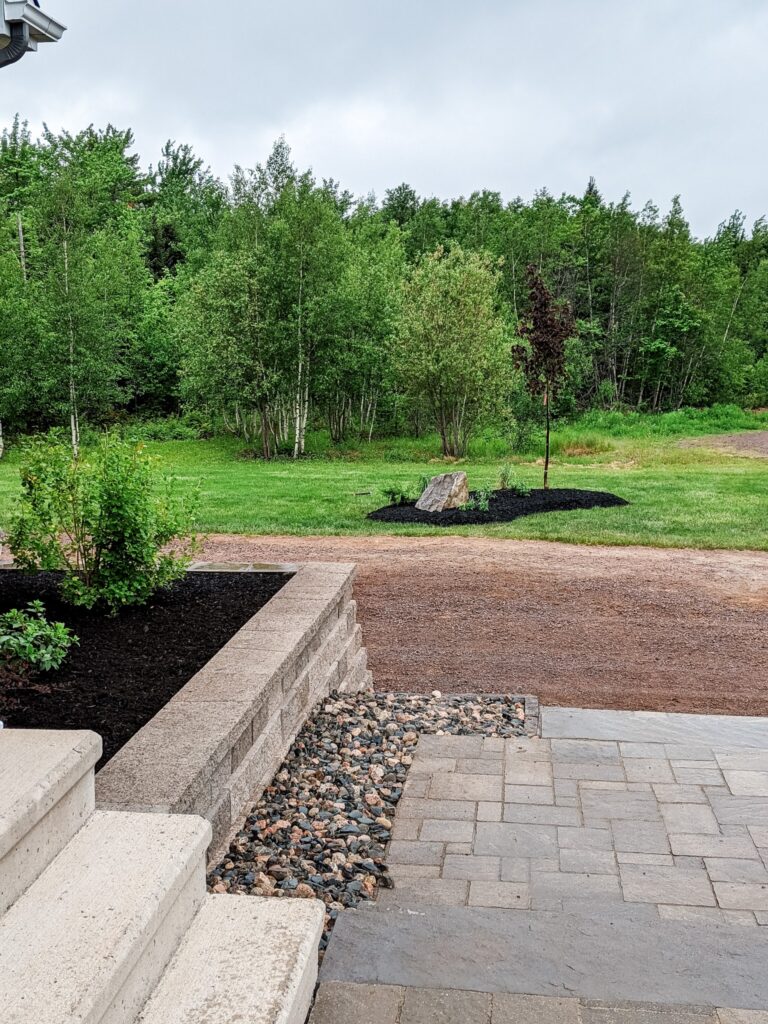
[217,743]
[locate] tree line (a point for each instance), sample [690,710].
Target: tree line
[275,302]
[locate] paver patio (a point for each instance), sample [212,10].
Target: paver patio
[618,857]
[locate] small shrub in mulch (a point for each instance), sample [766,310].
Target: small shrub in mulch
[503,507]
[126,665]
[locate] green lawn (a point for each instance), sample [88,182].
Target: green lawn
[679,497]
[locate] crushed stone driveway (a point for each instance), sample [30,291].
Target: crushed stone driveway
[600,627]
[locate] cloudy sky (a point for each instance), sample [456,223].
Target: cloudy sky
[651,96]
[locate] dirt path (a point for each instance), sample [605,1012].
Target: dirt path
[754,443]
[602,627]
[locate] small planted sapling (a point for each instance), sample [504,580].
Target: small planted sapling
[508,481]
[542,360]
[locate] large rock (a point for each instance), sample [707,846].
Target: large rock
[449,490]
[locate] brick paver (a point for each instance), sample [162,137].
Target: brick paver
[529,823]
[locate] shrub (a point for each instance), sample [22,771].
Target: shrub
[396,495]
[104,518]
[509,482]
[480,501]
[29,641]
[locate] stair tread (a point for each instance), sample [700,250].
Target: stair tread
[605,952]
[244,958]
[69,943]
[37,768]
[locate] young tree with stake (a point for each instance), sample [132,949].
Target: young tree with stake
[548,326]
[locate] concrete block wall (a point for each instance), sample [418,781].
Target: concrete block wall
[215,746]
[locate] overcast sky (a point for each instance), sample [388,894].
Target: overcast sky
[651,96]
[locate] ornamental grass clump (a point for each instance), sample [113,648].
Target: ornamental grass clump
[29,642]
[105,518]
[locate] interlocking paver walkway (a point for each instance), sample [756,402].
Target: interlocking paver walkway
[529,823]
[569,878]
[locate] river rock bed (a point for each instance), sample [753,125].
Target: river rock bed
[321,829]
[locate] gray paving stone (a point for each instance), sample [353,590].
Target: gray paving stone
[480,766]
[344,1003]
[651,884]
[443,1006]
[590,751]
[403,851]
[489,810]
[648,770]
[701,776]
[534,815]
[612,953]
[461,849]
[635,807]
[599,862]
[417,786]
[428,765]
[407,871]
[743,760]
[742,1016]
[558,885]
[506,895]
[494,747]
[689,752]
[746,783]
[644,750]
[742,917]
[529,795]
[659,859]
[472,868]
[515,869]
[406,828]
[595,771]
[522,1009]
[739,810]
[651,837]
[677,794]
[584,838]
[465,787]
[528,773]
[689,863]
[712,846]
[639,1014]
[508,839]
[731,869]
[759,835]
[746,896]
[447,830]
[654,727]
[457,810]
[689,819]
[450,746]
[433,892]
[680,913]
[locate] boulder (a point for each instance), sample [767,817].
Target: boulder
[449,490]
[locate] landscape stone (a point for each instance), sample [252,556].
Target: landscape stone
[448,490]
[435,1006]
[339,1003]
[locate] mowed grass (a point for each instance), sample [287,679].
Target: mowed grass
[679,497]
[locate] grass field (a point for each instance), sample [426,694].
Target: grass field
[679,497]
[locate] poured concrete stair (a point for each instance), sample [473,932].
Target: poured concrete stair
[106,918]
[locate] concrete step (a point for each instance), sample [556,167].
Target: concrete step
[87,942]
[46,796]
[243,959]
[604,952]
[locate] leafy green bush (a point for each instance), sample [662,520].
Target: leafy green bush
[103,518]
[396,495]
[29,641]
[480,501]
[508,481]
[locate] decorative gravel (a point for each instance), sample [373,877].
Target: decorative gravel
[320,830]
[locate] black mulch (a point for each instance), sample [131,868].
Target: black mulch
[127,667]
[504,507]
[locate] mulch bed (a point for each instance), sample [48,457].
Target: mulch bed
[320,830]
[504,507]
[126,667]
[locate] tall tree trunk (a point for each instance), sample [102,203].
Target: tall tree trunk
[74,420]
[546,444]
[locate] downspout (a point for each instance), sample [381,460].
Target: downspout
[17,47]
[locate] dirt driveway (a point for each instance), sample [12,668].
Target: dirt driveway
[602,627]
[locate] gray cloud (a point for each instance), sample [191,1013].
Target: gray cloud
[657,97]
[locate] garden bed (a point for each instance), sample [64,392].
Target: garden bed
[127,667]
[504,506]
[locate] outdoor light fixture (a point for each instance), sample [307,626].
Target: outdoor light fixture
[22,26]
